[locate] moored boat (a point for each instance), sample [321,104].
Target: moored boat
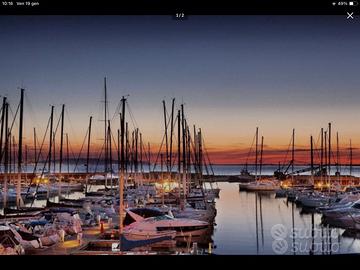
[263,185]
[183,227]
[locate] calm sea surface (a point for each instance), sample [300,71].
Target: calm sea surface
[238,231]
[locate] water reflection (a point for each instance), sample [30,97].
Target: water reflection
[246,222]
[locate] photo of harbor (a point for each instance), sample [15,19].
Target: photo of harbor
[145,135]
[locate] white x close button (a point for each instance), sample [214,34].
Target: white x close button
[350,15]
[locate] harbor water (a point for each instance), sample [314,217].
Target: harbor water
[238,231]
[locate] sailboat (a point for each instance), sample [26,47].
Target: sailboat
[261,184]
[133,237]
[245,176]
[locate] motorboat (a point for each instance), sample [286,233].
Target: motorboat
[182,226]
[192,213]
[11,196]
[340,202]
[188,212]
[350,221]
[22,210]
[140,234]
[334,217]
[314,201]
[200,193]
[295,193]
[244,186]
[263,185]
[281,193]
[353,207]
[214,191]
[10,241]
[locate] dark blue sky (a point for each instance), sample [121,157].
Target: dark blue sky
[232,72]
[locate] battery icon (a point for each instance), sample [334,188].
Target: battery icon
[353,3]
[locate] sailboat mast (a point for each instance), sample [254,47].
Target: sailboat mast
[325,152]
[351,157]
[312,159]
[14,153]
[105,130]
[110,156]
[51,137]
[26,162]
[149,160]
[127,146]
[188,153]
[179,151]
[337,153]
[136,162]
[67,153]
[21,123]
[122,171]
[88,154]
[6,153]
[171,131]
[166,138]
[196,163]
[141,154]
[261,155]
[132,153]
[321,153]
[184,150]
[54,154]
[35,148]
[293,155]
[10,154]
[200,159]
[2,127]
[123,135]
[256,151]
[162,177]
[329,155]
[20,159]
[338,169]
[61,146]
[118,145]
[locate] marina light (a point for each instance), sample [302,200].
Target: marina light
[319,185]
[71,243]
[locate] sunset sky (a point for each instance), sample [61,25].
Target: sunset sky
[233,74]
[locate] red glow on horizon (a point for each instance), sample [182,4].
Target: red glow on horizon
[221,155]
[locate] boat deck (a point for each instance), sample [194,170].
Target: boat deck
[71,244]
